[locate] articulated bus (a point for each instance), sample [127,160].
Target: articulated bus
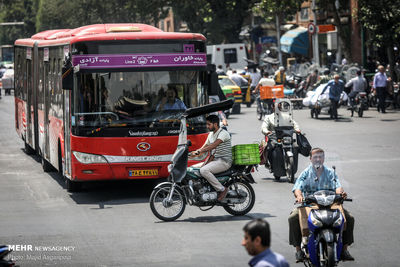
[119,116]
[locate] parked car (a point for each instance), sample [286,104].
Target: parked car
[8,81]
[231,91]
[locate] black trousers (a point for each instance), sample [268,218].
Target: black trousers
[381,93]
[334,106]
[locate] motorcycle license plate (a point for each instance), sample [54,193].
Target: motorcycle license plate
[147,172]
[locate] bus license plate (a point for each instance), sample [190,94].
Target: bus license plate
[150,172]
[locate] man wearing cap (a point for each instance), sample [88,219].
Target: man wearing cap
[336,87]
[280,76]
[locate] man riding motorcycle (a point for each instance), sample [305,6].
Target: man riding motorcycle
[219,144]
[268,128]
[314,178]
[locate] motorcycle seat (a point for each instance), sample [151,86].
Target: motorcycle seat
[224,173]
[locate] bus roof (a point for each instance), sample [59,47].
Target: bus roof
[116,31]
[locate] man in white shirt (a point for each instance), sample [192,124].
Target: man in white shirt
[359,84]
[219,144]
[238,79]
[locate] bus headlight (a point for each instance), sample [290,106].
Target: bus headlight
[86,158]
[314,220]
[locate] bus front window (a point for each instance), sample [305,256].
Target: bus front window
[133,98]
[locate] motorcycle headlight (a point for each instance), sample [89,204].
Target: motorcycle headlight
[170,166]
[338,221]
[314,220]
[87,158]
[287,140]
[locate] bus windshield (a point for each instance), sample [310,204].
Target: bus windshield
[147,99]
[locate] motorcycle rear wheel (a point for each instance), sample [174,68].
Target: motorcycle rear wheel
[245,207]
[161,208]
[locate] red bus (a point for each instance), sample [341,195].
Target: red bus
[120,117]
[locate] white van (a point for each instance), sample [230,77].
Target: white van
[223,54]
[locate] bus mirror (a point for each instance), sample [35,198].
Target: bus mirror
[67,78]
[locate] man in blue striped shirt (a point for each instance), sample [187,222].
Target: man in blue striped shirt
[380,86]
[314,178]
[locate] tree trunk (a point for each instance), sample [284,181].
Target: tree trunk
[341,34]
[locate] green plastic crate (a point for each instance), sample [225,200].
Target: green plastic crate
[247,154]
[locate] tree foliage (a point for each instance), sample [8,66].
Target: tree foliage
[17,11]
[220,21]
[285,9]
[71,14]
[381,19]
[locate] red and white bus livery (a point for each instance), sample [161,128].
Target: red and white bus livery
[119,116]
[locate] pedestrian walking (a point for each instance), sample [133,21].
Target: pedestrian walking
[257,241]
[380,86]
[336,87]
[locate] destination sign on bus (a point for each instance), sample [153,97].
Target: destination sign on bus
[139,60]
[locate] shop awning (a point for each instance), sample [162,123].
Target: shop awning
[295,41]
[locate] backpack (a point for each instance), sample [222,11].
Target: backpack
[304,145]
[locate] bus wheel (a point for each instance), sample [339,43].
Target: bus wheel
[72,186]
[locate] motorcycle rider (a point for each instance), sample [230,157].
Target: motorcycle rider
[280,76]
[219,144]
[359,84]
[314,178]
[268,129]
[265,81]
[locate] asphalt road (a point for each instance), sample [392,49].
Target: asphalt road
[110,224]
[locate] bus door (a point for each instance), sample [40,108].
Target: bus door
[46,109]
[29,100]
[67,133]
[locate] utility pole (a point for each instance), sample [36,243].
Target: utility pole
[278,37]
[339,49]
[315,36]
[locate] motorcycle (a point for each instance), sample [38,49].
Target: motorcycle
[4,251]
[359,103]
[323,246]
[186,186]
[283,156]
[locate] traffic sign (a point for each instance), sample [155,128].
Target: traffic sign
[311,28]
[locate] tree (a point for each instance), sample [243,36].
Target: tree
[17,11]
[343,31]
[220,21]
[55,14]
[382,20]
[284,9]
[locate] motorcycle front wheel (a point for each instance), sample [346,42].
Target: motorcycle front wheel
[164,209]
[329,256]
[290,170]
[247,205]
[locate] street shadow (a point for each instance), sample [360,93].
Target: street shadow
[111,193]
[281,180]
[389,120]
[224,218]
